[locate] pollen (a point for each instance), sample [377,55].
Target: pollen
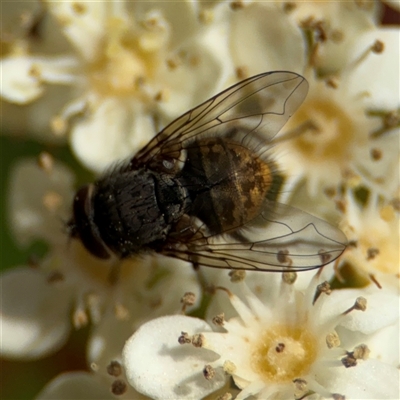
[284,353]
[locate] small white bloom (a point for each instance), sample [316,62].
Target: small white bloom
[342,131]
[131,67]
[287,348]
[331,30]
[374,233]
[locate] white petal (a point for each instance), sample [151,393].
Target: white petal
[84,29]
[159,367]
[235,346]
[377,77]
[370,379]
[171,280]
[75,385]
[115,130]
[18,85]
[32,215]
[34,315]
[384,344]
[382,311]
[264,38]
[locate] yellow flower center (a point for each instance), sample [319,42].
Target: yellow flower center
[329,134]
[129,57]
[284,353]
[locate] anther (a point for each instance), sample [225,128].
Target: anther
[332,340]
[198,340]
[237,275]
[114,368]
[360,305]
[289,277]
[209,372]
[321,288]
[188,299]
[184,338]
[219,319]
[118,387]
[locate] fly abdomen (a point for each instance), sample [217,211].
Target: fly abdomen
[227,183]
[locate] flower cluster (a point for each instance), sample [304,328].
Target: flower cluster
[101,79]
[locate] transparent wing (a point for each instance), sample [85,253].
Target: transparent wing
[284,239]
[258,105]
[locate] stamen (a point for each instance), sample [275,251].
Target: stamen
[119,387]
[209,372]
[188,299]
[360,305]
[300,388]
[378,47]
[237,275]
[373,279]
[114,368]
[198,340]
[289,277]
[185,338]
[361,352]
[321,288]
[219,319]
[349,361]
[332,340]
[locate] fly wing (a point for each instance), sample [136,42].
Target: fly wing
[284,239]
[258,105]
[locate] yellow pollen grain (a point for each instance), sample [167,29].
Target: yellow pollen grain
[284,353]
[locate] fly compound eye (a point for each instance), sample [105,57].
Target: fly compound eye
[83,225]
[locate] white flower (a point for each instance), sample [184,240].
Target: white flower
[374,234]
[342,128]
[37,303]
[331,30]
[287,348]
[129,68]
